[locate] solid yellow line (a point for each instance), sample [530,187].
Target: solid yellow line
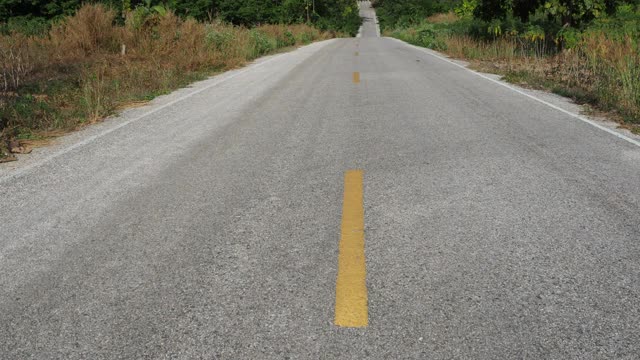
[356,77]
[351,287]
[357,53]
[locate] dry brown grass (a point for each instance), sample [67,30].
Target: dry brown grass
[468,48]
[443,18]
[90,31]
[19,55]
[601,70]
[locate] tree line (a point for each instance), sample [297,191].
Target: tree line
[340,15]
[565,13]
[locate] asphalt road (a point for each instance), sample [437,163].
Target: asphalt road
[206,225]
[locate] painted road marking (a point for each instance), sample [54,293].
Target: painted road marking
[356,77]
[357,53]
[351,286]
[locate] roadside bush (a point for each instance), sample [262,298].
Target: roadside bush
[219,39]
[426,34]
[286,39]
[91,30]
[26,25]
[306,37]
[261,43]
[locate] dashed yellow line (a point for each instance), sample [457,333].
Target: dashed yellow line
[351,287]
[356,77]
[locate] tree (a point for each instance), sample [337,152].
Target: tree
[198,9]
[37,8]
[339,15]
[571,12]
[575,12]
[393,13]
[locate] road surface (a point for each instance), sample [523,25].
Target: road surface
[207,225]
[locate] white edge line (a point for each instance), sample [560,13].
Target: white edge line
[359,35]
[23,170]
[577,116]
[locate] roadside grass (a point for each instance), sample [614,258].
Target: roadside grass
[601,68]
[90,65]
[443,18]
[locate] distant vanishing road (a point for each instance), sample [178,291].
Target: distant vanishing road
[353,199]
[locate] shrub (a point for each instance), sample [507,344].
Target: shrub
[219,39]
[89,31]
[261,43]
[26,25]
[18,58]
[286,39]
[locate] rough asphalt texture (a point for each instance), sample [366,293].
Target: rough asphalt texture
[496,227]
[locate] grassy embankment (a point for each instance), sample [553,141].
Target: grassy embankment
[76,74]
[598,65]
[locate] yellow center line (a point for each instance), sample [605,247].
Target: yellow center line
[351,287]
[357,53]
[356,77]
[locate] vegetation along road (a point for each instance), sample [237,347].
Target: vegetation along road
[357,197]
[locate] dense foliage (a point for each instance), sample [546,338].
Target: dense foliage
[341,15]
[394,13]
[503,15]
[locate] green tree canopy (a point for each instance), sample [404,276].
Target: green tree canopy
[339,15]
